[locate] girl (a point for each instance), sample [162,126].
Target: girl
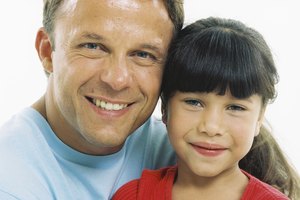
[218,80]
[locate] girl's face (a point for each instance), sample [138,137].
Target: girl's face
[211,133]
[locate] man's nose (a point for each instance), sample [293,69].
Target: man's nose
[117,73]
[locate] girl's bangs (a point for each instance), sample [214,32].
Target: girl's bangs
[216,63]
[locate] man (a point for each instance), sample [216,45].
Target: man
[90,132]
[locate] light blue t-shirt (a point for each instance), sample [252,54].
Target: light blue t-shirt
[35,164]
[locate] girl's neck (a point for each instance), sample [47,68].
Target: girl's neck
[228,185]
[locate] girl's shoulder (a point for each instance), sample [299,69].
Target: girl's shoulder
[259,190]
[153,184]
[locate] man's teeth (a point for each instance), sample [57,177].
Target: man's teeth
[108,106]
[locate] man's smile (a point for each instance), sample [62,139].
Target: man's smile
[107,105]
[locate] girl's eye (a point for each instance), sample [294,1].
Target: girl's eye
[193,102]
[236,108]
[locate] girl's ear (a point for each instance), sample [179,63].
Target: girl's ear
[260,121]
[44,49]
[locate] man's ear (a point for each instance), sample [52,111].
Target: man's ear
[44,49]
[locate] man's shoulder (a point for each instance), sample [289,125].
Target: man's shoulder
[147,148]
[28,166]
[21,133]
[152,134]
[17,151]
[27,118]
[153,125]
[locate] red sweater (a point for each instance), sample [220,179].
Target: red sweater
[157,185]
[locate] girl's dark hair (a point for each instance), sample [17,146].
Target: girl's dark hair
[213,55]
[216,55]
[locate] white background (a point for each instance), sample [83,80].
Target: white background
[22,80]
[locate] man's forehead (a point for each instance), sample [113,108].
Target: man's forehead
[124,4]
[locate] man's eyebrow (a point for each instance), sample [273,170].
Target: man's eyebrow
[152,47]
[92,36]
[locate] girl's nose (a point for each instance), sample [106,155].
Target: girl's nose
[210,122]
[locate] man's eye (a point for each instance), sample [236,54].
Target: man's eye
[91,46]
[145,55]
[92,50]
[142,54]
[144,58]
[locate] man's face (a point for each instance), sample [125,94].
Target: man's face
[106,70]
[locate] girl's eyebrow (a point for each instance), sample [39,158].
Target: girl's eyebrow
[248,99]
